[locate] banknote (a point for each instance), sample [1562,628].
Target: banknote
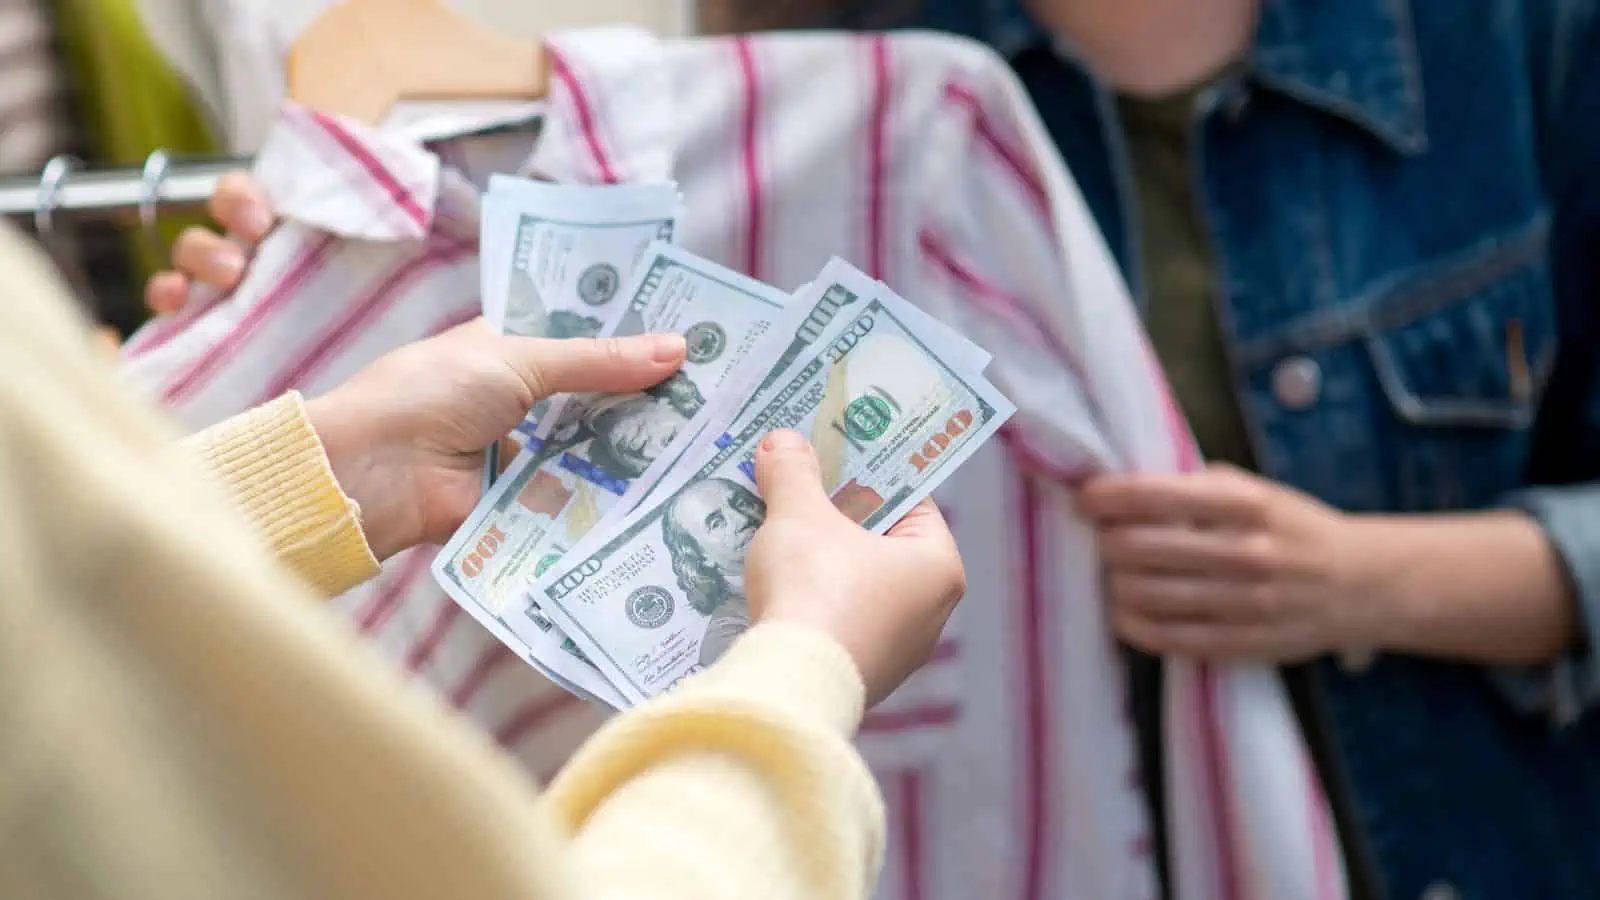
[564,252]
[592,447]
[660,595]
[837,289]
[556,257]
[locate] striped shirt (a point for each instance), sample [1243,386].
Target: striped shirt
[1009,763]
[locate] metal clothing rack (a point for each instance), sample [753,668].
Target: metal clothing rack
[64,187]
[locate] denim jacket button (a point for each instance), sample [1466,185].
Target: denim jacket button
[1297,382]
[1441,890]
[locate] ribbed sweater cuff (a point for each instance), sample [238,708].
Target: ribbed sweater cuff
[273,466]
[792,668]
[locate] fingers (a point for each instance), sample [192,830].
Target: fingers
[1163,598]
[923,520]
[789,475]
[199,256]
[1215,497]
[204,257]
[585,364]
[209,258]
[926,525]
[241,208]
[1178,549]
[937,559]
[166,292]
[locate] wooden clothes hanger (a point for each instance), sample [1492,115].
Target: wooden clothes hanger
[362,57]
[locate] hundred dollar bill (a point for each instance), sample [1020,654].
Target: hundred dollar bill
[570,249]
[591,448]
[838,289]
[557,256]
[660,596]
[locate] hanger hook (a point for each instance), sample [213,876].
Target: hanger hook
[156,167]
[51,179]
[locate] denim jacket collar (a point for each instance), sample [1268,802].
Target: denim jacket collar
[1355,59]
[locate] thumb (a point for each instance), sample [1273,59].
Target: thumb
[582,365]
[788,474]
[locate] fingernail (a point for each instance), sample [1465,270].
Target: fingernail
[257,222]
[782,440]
[666,348]
[228,263]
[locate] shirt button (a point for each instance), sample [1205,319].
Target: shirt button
[1441,890]
[1297,382]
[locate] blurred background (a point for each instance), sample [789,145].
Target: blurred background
[106,83]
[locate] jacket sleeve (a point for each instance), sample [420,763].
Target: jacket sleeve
[1565,37]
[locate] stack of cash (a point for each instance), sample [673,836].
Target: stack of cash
[610,553]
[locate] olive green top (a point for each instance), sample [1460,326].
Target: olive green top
[1182,284]
[1182,293]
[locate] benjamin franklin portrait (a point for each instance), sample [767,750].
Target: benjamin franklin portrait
[707,528]
[565,324]
[625,434]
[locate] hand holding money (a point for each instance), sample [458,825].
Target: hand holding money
[885,598]
[612,554]
[892,400]
[406,434]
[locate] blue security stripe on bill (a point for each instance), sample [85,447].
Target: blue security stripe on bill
[593,474]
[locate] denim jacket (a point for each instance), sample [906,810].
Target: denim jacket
[1404,200]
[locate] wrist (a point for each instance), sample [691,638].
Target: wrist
[1481,586]
[272,463]
[1383,602]
[355,451]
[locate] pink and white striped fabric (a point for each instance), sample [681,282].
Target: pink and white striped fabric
[1009,763]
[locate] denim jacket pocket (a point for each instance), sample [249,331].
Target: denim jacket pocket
[1460,354]
[1470,344]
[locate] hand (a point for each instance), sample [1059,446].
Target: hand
[406,435]
[201,256]
[885,599]
[1226,565]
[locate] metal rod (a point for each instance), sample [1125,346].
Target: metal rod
[189,182]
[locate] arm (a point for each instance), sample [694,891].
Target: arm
[1520,588]
[1271,574]
[1486,587]
[1566,456]
[164,709]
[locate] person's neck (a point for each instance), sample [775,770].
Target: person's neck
[1152,47]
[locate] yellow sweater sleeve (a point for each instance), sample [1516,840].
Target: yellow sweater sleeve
[271,463]
[721,785]
[174,725]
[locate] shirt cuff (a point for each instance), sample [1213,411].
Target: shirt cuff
[791,668]
[273,467]
[1563,690]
